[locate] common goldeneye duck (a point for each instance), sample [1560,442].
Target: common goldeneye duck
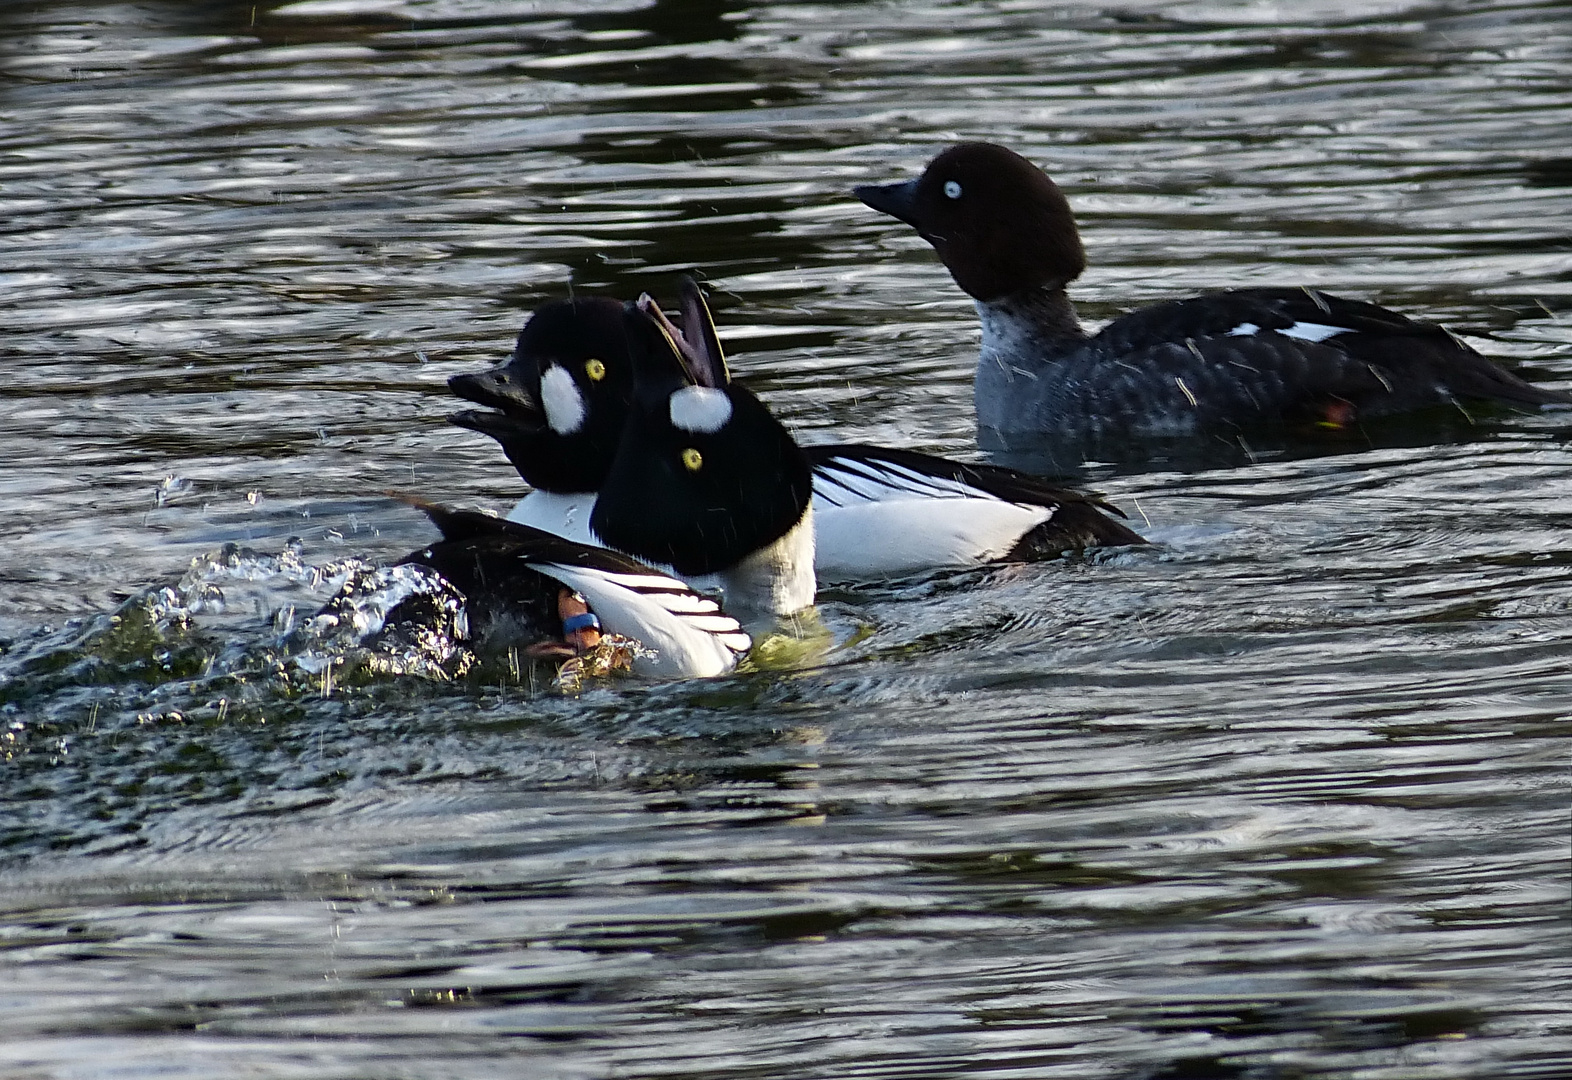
[523,586]
[558,403]
[1222,360]
[877,512]
[707,482]
[704,483]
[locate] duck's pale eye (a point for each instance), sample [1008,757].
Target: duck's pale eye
[595,369]
[692,460]
[952,189]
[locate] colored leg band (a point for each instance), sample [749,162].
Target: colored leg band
[585,621]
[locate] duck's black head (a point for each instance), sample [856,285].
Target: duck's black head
[996,220]
[704,476]
[558,404]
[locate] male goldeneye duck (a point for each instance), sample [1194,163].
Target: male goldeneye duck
[877,512]
[557,405]
[707,482]
[704,483]
[1222,360]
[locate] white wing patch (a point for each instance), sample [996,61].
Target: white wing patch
[564,515]
[876,519]
[689,634]
[560,397]
[908,536]
[1244,329]
[1310,331]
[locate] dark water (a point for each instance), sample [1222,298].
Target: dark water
[1286,796]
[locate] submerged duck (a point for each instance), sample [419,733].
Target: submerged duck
[1218,361]
[705,491]
[877,512]
[522,586]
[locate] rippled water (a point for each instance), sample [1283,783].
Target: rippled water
[1285,796]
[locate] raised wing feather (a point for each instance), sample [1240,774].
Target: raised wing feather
[500,564]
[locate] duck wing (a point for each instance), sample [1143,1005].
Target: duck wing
[511,574]
[883,512]
[1291,355]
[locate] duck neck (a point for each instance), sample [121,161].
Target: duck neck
[1023,336]
[1028,330]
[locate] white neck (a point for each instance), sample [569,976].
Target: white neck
[775,581]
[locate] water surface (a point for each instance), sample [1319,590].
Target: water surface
[1285,796]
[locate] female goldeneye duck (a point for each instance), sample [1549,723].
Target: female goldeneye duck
[523,586]
[877,512]
[1222,360]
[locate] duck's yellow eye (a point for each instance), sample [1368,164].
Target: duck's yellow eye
[595,369]
[693,459]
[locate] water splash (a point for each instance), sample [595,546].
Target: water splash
[232,630]
[390,620]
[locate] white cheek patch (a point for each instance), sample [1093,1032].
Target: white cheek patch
[702,410]
[1244,329]
[563,403]
[1311,331]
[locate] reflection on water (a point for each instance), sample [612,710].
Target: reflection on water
[1284,796]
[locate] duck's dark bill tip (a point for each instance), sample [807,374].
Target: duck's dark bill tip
[497,425]
[707,360]
[689,357]
[647,307]
[897,200]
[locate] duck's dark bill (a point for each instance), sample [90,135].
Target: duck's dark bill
[897,200]
[691,359]
[500,426]
[699,328]
[496,389]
